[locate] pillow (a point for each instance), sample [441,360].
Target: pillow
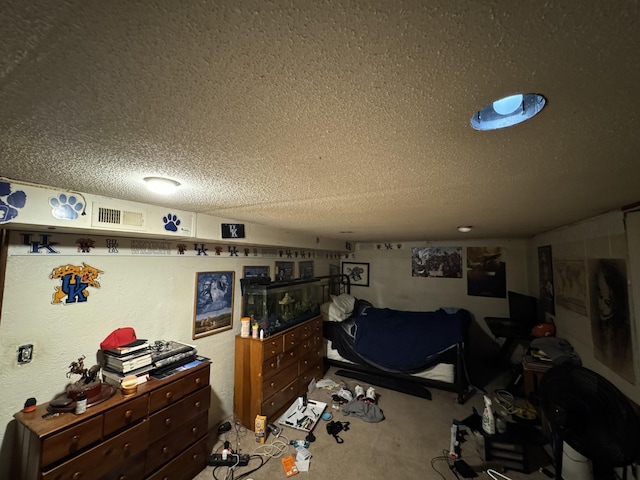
[344,302]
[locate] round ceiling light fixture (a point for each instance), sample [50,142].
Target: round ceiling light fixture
[508,111]
[163,186]
[465,229]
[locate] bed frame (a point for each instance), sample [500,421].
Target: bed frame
[457,355]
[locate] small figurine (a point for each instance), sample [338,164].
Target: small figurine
[86,375]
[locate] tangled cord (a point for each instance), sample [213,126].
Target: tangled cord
[507,404]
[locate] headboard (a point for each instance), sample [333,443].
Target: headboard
[334,285]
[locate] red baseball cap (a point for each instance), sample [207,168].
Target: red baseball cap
[118,338]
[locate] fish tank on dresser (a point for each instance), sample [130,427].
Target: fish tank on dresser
[275,306]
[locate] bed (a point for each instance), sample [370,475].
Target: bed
[393,348]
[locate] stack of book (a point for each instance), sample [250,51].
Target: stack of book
[132,359]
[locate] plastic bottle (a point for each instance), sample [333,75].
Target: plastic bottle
[488,421]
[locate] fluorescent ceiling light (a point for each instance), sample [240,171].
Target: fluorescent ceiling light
[464,229]
[163,186]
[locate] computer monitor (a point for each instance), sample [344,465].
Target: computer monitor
[523,308]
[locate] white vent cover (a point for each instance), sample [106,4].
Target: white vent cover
[109,216]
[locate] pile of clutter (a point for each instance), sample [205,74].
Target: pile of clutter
[362,404]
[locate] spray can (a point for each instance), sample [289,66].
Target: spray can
[488,420]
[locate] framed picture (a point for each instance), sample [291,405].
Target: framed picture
[358,273]
[306,269]
[284,271]
[256,271]
[213,303]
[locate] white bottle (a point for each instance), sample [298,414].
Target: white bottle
[488,421]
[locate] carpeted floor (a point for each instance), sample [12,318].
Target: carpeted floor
[410,443]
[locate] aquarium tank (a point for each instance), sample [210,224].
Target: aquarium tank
[275,306]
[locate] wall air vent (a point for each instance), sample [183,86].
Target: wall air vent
[111,217]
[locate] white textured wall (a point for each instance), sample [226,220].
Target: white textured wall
[603,236]
[153,294]
[391,284]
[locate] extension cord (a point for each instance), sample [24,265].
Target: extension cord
[232,460]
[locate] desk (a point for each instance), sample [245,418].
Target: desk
[514,333]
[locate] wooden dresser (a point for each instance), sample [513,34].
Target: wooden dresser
[271,373]
[158,433]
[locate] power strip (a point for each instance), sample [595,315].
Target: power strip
[232,460]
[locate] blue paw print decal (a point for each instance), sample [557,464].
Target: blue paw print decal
[10,202]
[65,208]
[171,223]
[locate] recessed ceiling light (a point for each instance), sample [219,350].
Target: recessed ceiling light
[163,186]
[508,111]
[464,229]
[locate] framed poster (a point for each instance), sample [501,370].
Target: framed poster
[358,273]
[306,269]
[256,271]
[284,271]
[213,303]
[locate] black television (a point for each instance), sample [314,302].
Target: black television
[523,309]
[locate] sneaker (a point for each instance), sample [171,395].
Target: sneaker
[359,392]
[371,395]
[346,394]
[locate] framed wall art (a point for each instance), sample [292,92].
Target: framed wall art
[306,269]
[358,273]
[284,271]
[263,271]
[213,303]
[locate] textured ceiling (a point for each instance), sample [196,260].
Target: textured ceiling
[328,116]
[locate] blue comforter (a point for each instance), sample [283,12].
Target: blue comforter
[405,341]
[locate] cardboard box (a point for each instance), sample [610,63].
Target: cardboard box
[289,466]
[260,428]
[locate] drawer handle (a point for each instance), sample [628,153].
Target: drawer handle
[194,430]
[165,450]
[292,354]
[273,365]
[198,405]
[128,414]
[126,447]
[122,477]
[272,404]
[169,395]
[167,422]
[272,384]
[198,381]
[75,439]
[77,476]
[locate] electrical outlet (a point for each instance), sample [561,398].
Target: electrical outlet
[25,353]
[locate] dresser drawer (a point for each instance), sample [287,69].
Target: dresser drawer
[100,460]
[271,347]
[125,415]
[316,326]
[163,450]
[280,401]
[308,361]
[171,418]
[196,381]
[279,381]
[314,370]
[186,465]
[306,347]
[305,330]
[293,338]
[278,363]
[165,396]
[132,469]
[71,441]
